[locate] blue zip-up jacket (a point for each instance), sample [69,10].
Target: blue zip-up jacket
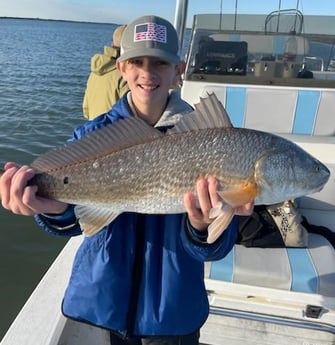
[142,275]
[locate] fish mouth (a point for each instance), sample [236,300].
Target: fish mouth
[326,175]
[319,189]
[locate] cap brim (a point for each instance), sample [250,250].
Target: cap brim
[151,52]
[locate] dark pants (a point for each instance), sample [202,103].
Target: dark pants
[190,339]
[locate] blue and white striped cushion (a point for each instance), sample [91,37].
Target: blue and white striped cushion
[308,270]
[301,111]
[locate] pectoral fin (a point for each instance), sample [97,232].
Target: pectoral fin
[225,211]
[93,219]
[241,196]
[223,214]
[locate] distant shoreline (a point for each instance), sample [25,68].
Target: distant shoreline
[59,20]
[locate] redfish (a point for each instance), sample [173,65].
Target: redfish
[129,166]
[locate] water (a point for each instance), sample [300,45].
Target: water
[44,68]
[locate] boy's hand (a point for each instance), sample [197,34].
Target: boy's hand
[198,210]
[18,197]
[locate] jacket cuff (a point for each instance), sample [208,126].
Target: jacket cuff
[60,222]
[199,237]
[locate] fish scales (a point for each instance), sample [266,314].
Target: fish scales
[158,173]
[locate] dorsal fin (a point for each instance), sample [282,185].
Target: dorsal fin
[208,113]
[111,138]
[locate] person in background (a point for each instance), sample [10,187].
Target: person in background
[104,85]
[141,276]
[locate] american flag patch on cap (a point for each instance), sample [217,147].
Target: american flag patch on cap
[150,32]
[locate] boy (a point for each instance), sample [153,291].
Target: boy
[141,277]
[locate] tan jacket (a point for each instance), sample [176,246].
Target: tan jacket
[104,85]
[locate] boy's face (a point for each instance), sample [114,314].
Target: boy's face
[149,78]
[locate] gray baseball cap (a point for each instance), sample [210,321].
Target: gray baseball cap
[150,36]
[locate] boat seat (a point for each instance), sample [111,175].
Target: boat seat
[307,270]
[301,111]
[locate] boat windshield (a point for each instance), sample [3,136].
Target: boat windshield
[260,57]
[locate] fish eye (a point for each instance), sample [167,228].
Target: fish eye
[66,180]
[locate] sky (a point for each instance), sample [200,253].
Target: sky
[124,11]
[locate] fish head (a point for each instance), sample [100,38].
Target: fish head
[288,172]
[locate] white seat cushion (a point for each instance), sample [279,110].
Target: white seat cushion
[309,270]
